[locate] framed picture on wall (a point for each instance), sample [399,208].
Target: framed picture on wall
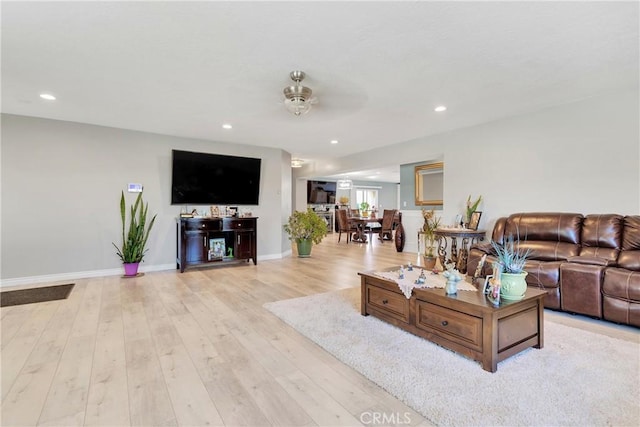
[474,221]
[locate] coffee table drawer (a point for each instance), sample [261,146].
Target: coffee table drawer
[390,303]
[450,324]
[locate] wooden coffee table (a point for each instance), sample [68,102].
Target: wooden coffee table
[467,323]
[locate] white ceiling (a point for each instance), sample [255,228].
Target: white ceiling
[377,68]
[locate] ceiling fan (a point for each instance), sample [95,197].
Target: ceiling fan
[298,99]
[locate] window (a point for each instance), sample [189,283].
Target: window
[367,195]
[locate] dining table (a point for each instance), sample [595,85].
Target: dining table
[361,222]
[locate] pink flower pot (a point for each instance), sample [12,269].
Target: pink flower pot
[131,268]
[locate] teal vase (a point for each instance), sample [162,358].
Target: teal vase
[513,286]
[304,248]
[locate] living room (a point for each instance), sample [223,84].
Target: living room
[573,146]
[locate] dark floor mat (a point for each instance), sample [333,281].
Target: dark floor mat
[30,296]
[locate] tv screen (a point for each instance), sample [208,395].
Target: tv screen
[214,179]
[319,192]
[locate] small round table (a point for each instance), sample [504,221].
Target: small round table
[467,236]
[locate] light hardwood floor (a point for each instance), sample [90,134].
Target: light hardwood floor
[196,349]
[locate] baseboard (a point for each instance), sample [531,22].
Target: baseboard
[22,281]
[49,278]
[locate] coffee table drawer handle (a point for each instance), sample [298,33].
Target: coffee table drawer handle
[445,323]
[385,301]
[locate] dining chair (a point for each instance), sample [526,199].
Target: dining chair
[343,224]
[386,228]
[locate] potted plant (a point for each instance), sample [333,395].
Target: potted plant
[305,228]
[431,222]
[134,240]
[511,260]
[471,208]
[364,206]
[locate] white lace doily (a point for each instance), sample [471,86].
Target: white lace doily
[407,284]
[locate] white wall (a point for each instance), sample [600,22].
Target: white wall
[61,181]
[578,157]
[61,185]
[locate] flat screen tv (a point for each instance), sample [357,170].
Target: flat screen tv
[319,192]
[214,179]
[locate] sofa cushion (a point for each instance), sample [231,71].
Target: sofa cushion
[630,255]
[631,233]
[621,296]
[622,283]
[545,226]
[543,273]
[549,251]
[551,236]
[621,311]
[591,260]
[629,260]
[602,236]
[498,230]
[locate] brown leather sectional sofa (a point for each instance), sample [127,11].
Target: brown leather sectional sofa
[588,264]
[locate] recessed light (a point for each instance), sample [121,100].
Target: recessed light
[334,141]
[227,126]
[47,96]
[440,108]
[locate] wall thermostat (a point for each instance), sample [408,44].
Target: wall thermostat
[134,188]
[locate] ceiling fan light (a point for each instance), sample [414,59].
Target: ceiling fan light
[345,184]
[297,106]
[297,97]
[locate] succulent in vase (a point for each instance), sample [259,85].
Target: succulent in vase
[510,256]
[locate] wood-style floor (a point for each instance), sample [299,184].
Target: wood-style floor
[195,349]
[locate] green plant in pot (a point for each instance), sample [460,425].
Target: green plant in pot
[431,222]
[471,208]
[364,207]
[134,240]
[511,260]
[305,228]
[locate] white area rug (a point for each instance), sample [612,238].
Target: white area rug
[579,378]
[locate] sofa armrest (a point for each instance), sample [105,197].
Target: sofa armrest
[591,260]
[483,247]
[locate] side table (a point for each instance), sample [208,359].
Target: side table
[468,237]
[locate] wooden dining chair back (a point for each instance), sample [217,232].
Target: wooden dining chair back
[343,224]
[386,229]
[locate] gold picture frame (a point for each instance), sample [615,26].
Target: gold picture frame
[429,184]
[474,221]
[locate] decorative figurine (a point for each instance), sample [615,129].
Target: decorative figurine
[453,277]
[494,289]
[421,279]
[410,267]
[401,272]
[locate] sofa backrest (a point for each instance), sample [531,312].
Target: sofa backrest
[630,254]
[551,236]
[602,236]
[498,230]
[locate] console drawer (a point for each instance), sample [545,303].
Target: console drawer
[239,224]
[205,225]
[389,303]
[450,324]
